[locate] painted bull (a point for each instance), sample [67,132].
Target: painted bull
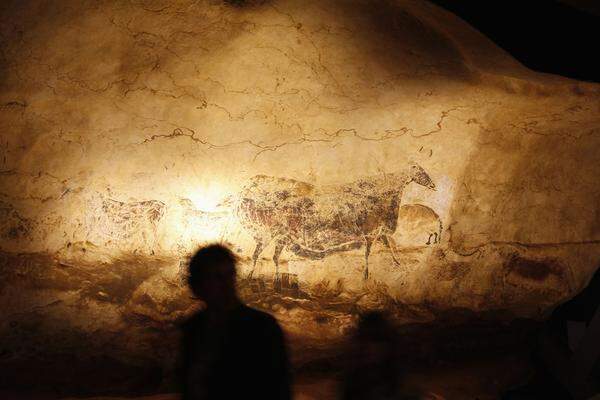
[313,221]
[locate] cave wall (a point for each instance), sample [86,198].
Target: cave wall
[133,132]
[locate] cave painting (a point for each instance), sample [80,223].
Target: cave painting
[420,219]
[13,225]
[315,221]
[124,220]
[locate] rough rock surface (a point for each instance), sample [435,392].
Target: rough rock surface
[132,131]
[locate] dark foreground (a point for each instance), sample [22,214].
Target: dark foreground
[453,359]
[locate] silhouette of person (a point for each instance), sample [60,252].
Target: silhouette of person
[373,368]
[230,351]
[566,358]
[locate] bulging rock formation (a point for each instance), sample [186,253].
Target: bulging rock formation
[314,137]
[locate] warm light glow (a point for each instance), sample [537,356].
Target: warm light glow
[207,202]
[205,214]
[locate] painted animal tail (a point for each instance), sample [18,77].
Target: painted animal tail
[303,251]
[307,253]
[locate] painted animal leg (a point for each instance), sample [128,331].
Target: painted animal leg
[278,249]
[257,250]
[390,243]
[368,243]
[429,239]
[277,279]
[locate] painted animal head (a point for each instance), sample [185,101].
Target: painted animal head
[418,175]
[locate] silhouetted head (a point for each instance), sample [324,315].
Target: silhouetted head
[211,275]
[374,337]
[418,175]
[374,327]
[373,365]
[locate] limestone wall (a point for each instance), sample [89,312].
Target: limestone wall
[132,132]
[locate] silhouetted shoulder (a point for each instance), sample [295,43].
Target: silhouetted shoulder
[246,346]
[257,318]
[253,313]
[197,319]
[250,318]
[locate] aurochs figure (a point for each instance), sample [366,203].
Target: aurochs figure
[314,221]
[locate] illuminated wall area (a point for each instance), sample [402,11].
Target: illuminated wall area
[355,156]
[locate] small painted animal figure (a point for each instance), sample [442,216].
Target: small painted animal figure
[128,220]
[420,219]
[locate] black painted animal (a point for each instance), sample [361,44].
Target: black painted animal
[314,221]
